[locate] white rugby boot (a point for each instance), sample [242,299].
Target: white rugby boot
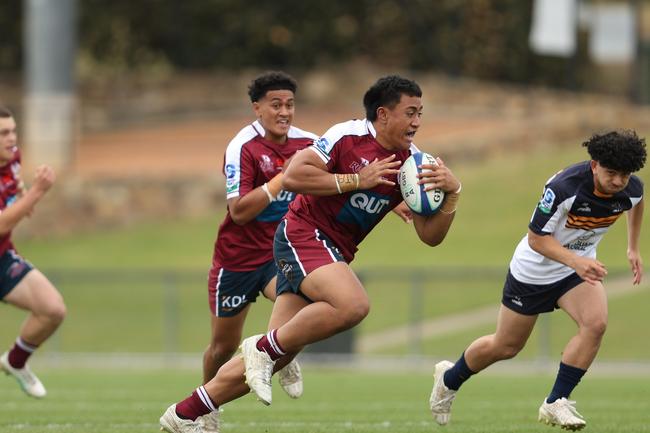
[172,423]
[259,369]
[26,379]
[290,378]
[561,412]
[210,422]
[441,396]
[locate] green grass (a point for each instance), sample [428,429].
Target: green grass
[111,401]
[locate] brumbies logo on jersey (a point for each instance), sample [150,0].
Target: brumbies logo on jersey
[546,203]
[363,209]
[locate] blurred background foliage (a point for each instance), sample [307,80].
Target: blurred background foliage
[479,38]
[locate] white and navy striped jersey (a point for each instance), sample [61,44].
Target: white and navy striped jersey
[578,216]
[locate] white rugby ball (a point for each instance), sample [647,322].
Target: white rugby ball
[417,199]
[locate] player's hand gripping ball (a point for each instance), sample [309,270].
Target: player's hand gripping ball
[417,199]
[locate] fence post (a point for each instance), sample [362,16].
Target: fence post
[170,315]
[416,314]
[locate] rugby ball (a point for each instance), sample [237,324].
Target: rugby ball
[419,201]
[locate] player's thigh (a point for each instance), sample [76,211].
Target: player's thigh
[269,291]
[37,294]
[227,331]
[336,284]
[586,304]
[513,329]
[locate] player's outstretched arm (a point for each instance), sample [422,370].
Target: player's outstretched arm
[634,220]
[43,179]
[590,270]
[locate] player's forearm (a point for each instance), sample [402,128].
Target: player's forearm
[244,209]
[550,248]
[309,179]
[11,216]
[433,229]
[634,222]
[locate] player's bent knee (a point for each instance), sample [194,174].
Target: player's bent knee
[509,351]
[354,314]
[55,314]
[596,329]
[222,351]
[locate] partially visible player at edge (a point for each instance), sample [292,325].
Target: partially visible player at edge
[242,263]
[555,266]
[347,184]
[21,284]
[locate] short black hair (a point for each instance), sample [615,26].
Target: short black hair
[5,112]
[387,92]
[619,150]
[271,80]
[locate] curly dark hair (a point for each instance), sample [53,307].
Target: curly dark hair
[387,92]
[271,80]
[618,150]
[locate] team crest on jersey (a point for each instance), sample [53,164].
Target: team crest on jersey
[15,269]
[546,203]
[357,166]
[266,164]
[286,269]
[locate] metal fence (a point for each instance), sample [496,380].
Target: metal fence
[165,311]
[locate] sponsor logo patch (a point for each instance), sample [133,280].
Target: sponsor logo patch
[582,243]
[230,171]
[517,301]
[322,144]
[546,203]
[230,302]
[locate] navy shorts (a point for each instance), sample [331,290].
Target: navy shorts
[13,269]
[298,251]
[532,299]
[229,292]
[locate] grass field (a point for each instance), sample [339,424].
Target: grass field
[131,401]
[142,289]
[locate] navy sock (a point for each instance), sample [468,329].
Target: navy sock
[567,378]
[458,374]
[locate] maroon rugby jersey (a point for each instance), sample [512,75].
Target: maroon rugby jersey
[250,161]
[9,180]
[347,218]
